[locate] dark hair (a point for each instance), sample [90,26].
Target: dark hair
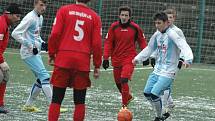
[36,1]
[160,16]
[125,8]
[83,1]
[13,8]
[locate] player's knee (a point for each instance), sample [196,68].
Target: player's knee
[154,97]
[45,81]
[58,95]
[147,96]
[38,81]
[79,96]
[124,80]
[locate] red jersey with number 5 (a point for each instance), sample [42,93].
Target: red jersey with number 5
[76,32]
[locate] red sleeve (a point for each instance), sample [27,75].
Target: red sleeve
[3,42]
[54,38]
[141,39]
[97,43]
[108,44]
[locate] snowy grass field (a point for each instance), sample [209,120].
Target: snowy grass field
[193,93]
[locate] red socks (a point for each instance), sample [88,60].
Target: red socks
[2,93]
[79,112]
[125,93]
[54,112]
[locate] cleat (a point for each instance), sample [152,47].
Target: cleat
[3,110]
[30,109]
[130,98]
[63,110]
[166,115]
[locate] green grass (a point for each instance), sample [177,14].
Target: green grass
[193,93]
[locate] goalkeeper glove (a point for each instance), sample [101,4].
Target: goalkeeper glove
[146,62]
[180,63]
[44,46]
[105,64]
[153,62]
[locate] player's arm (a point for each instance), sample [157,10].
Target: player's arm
[141,39]
[3,44]
[146,52]
[97,43]
[184,47]
[17,33]
[54,38]
[108,44]
[108,47]
[97,46]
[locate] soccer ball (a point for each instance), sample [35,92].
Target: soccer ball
[124,115]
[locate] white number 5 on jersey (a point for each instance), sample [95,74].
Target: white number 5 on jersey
[80,31]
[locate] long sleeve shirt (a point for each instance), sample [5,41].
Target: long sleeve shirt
[120,43]
[28,33]
[4,35]
[178,31]
[76,30]
[169,45]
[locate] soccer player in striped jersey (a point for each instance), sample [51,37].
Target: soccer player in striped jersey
[10,16]
[169,45]
[167,98]
[75,36]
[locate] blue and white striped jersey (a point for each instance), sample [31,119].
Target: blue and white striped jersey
[178,31]
[168,45]
[28,33]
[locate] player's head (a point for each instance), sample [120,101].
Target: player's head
[83,1]
[14,13]
[124,14]
[161,21]
[171,13]
[40,6]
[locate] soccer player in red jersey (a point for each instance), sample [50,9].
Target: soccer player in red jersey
[76,34]
[120,45]
[10,16]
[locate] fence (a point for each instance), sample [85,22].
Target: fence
[194,17]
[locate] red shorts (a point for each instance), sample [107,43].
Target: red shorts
[124,71]
[63,78]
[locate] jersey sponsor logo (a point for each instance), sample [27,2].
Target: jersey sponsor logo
[124,30]
[55,20]
[1,36]
[106,36]
[80,14]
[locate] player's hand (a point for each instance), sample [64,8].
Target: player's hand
[105,64]
[153,62]
[96,73]
[187,65]
[134,62]
[44,46]
[146,62]
[51,60]
[180,63]
[4,66]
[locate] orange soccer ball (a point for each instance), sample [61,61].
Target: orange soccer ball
[125,115]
